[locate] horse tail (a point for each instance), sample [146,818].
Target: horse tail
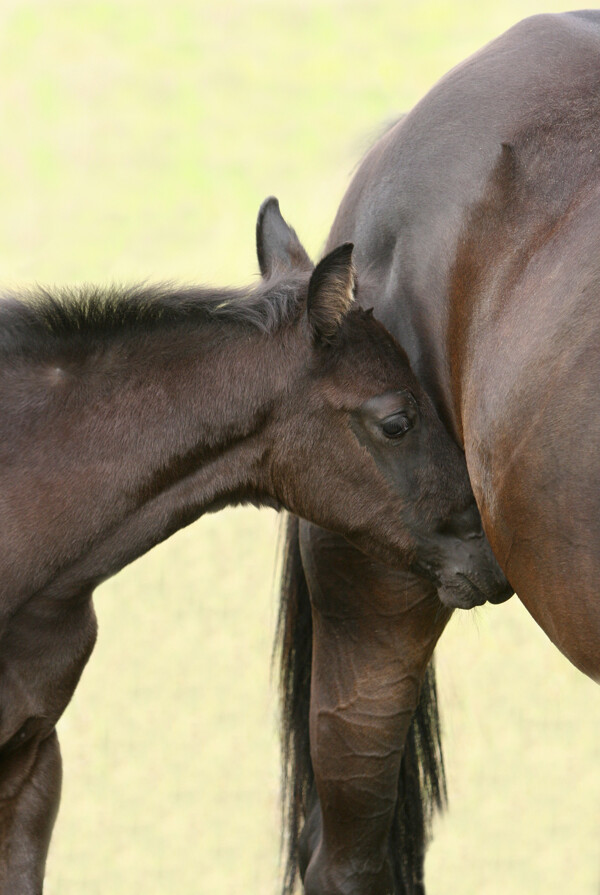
[293,644]
[421,791]
[421,782]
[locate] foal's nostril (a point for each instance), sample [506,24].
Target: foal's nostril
[472,529]
[476,534]
[466,525]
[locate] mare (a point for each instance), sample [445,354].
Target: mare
[476,222]
[126,414]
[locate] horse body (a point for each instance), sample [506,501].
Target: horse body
[475,221]
[478,212]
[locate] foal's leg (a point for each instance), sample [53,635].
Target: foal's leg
[374,631]
[43,650]
[27,820]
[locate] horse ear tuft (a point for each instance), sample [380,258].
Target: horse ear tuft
[331,293]
[277,245]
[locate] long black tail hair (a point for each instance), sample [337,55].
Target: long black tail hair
[422,781]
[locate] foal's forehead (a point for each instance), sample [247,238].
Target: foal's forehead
[368,342]
[369,362]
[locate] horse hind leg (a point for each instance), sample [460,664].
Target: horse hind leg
[374,631]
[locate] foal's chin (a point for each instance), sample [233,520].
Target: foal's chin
[462,592]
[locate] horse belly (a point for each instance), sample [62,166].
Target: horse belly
[531,420]
[544,525]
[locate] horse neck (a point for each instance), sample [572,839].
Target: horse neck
[133,441]
[202,396]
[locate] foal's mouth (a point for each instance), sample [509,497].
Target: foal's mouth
[461,593]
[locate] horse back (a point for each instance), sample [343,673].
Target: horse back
[412,199]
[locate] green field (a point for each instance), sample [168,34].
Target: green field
[138,140]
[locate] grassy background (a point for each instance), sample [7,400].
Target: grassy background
[138,140]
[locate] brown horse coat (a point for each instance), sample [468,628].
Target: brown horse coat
[476,221]
[477,216]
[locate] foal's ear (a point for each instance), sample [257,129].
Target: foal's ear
[277,245]
[331,293]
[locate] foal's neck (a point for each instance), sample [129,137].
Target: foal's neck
[135,438]
[188,396]
[211,390]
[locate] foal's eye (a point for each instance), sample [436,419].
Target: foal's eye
[396,425]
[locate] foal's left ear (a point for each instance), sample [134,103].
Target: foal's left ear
[277,245]
[331,293]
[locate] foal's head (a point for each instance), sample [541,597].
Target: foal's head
[358,447]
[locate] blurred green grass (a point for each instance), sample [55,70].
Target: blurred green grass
[138,141]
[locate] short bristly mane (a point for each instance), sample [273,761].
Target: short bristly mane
[90,313]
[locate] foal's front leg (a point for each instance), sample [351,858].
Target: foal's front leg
[27,816]
[374,631]
[43,650]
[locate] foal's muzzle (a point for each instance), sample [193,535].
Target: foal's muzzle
[461,563]
[472,576]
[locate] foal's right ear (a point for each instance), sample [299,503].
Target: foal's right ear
[331,293]
[277,245]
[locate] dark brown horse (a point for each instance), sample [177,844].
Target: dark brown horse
[476,221]
[126,415]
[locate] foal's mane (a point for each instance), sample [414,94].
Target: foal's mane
[40,317]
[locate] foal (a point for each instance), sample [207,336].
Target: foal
[125,415]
